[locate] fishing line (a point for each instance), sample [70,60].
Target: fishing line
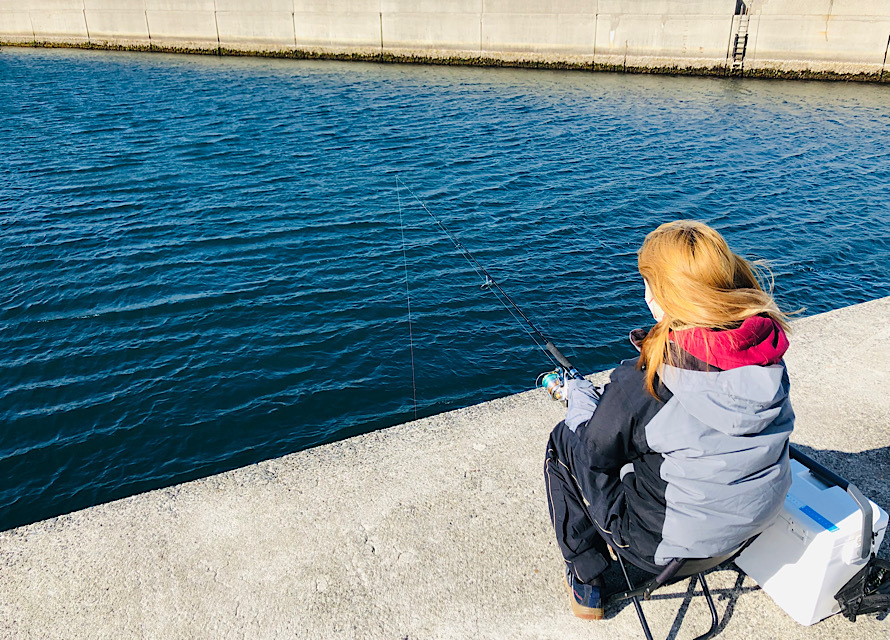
[543,343]
[408,296]
[489,283]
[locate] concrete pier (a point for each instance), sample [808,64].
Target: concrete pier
[433,529]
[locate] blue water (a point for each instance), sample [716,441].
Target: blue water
[201,262]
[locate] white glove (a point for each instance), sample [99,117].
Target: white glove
[582,398]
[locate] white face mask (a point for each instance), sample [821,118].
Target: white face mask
[654,307]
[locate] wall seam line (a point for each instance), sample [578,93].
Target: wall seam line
[481,18]
[756,33]
[216,23]
[86,24]
[293,19]
[596,26]
[727,65]
[147,26]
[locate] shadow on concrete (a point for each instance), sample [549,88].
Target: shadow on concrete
[731,596]
[868,470]
[693,591]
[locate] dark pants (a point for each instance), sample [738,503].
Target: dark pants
[585,506]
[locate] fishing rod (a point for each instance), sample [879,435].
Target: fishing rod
[552,381]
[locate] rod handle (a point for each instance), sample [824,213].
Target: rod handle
[562,360]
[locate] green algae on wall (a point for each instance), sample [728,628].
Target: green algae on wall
[476,61]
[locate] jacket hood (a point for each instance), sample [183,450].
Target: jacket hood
[740,401]
[759,341]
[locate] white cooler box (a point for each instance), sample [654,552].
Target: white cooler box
[815,544]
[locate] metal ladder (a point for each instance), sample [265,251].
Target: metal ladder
[740,43]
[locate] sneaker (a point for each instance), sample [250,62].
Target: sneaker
[587,601]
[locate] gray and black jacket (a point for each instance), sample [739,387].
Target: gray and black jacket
[709,458]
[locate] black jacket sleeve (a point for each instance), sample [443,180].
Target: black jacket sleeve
[615,434]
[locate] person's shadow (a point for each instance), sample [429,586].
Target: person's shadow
[868,470]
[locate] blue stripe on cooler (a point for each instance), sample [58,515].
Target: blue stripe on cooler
[814,515]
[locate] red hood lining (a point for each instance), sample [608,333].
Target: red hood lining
[759,341]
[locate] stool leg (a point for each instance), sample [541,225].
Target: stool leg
[636,601]
[710,600]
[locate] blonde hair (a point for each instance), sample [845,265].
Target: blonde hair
[699,282]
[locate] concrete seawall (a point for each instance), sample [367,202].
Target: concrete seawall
[432,529]
[788,38]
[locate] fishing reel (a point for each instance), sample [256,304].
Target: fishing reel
[554,383]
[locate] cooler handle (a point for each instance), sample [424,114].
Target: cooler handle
[831,478]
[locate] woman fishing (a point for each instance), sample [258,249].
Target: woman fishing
[685,453]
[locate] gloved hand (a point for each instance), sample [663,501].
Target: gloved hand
[582,398]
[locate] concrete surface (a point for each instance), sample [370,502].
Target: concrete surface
[436,528]
[785,37]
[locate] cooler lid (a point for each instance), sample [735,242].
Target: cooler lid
[826,508]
